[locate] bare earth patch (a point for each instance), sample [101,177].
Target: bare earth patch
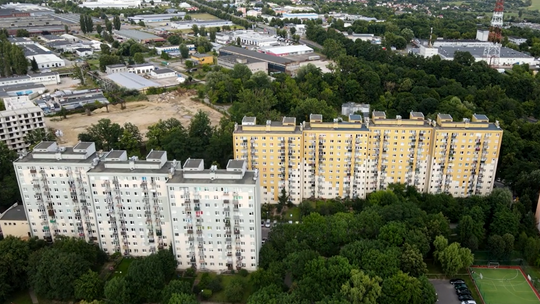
[140,113]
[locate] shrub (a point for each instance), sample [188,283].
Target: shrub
[206,294]
[190,272]
[243,272]
[215,285]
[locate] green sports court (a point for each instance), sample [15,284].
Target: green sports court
[503,285]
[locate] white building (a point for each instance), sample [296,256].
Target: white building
[82,52]
[288,50]
[20,40]
[162,73]
[185,25]
[143,68]
[137,207]
[47,60]
[115,68]
[172,49]
[43,78]
[248,37]
[20,117]
[217,216]
[111,4]
[349,108]
[157,17]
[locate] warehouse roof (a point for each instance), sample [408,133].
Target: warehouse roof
[164,71]
[448,51]
[278,50]
[138,35]
[253,54]
[132,81]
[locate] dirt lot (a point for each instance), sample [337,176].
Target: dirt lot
[141,113]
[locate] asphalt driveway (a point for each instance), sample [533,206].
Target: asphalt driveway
[445,291]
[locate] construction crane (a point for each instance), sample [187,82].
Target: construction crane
[492,52]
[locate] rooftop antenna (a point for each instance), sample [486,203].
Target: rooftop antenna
[430,38]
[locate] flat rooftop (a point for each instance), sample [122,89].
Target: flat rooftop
[132,81]
[155,155]
[247,178]
[264,57]
[235,164]
[193,163]
[478,52]
[134,34]
[14,214]
[164,71]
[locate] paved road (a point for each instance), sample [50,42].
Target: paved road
[445,291]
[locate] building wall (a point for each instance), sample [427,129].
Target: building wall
[204,59]
[137,212]
[352,159]
[45,79]
[116,70]
[131,212]
[14,124]
[166,75]
[216,228]
[15,228]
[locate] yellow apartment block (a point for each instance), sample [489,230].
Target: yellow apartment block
[355,157]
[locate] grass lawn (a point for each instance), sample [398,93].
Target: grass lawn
[122,268]
[295,211]
[21,297]
[206,16]
[94,64]
[535,5]
[225,281]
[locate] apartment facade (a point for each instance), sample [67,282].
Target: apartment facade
[211,217]
[20,117]
[362,155]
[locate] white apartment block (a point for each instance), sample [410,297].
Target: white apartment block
[20,117]
[211,217]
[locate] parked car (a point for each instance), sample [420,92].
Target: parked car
[468,302]
[463,291]
[460,286]
[465,297]
[267,225]
[457,281]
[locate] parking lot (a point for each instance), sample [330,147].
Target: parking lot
[445,291]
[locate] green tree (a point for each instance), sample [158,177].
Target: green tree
[412,261]
[14,255]
[361,288]
[99,29]
[401,288]
[393,233]
[174,39]
[504,222]
[105,60]
[175,287]
[9,192]
[89,286]
[117,291]
[108,25]
[184,51]
[35,136]
[158,132]
[464,58]
[34,65]
[105,49]
[199,134]
[138,58]
[496,246]
[116,22]
[470,232]
[82,23]
[333,49]
[105,134]
[182,298]
[52,273]
[451,257]
[235,290]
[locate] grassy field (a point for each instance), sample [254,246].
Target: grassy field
[295,211]
[500,286]
[20,298]
[122,268]
[206,16]
[225,281]
[535,5]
